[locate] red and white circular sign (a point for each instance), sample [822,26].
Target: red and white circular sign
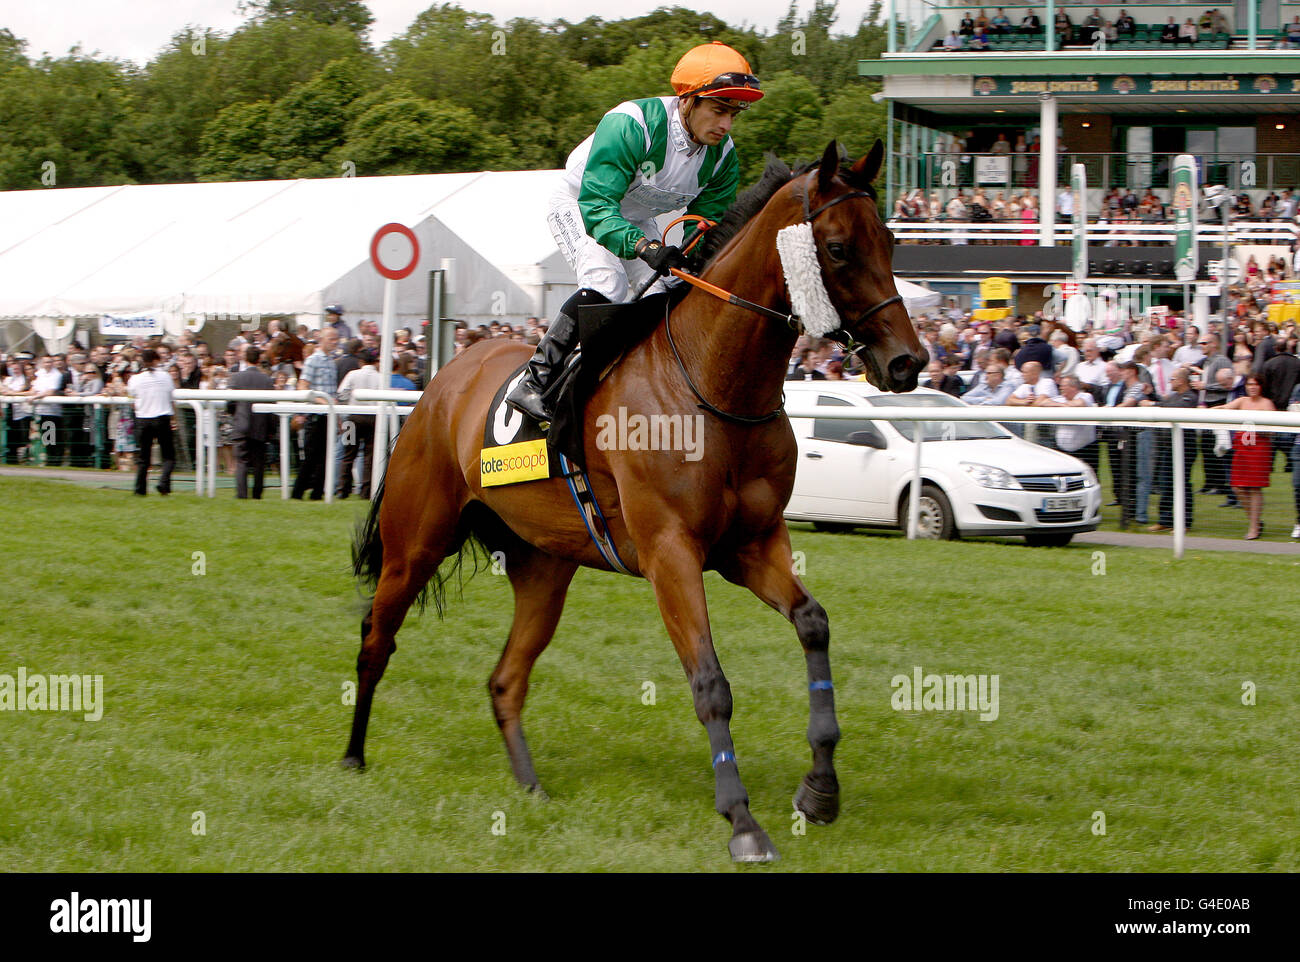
[394,251]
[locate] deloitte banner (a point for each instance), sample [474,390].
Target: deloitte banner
[130,325]
[1079,235]
[1183,184]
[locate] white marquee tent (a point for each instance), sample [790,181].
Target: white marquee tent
[277,248]
[186,252]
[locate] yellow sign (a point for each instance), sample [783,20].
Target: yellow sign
[990,313]
[995,289]
[511,463]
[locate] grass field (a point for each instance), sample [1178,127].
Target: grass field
[1119,692]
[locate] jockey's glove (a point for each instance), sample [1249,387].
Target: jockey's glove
[660,256]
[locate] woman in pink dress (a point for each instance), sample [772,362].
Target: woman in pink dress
[1028,215]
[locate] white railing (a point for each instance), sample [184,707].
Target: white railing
[1174,419]
[1098,234]
[206,404]
[394,403]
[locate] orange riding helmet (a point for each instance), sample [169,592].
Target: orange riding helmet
[716,71]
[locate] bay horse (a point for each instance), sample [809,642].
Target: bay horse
[669,518]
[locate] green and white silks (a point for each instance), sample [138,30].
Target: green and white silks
[640,163]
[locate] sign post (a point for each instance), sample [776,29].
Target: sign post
[1079,235]
[395,252]
[1183,180]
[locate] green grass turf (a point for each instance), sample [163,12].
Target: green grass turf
[1119,693]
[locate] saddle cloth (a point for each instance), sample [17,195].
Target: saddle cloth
[515,448]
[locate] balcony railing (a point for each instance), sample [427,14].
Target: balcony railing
[921,26]
[1099,233]
[946,172]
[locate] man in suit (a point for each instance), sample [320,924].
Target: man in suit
[249,430]
[1035,349]
[1281,374]
[1124,390]
[1180,395]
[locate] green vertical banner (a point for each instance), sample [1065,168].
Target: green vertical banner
[1079,235]
[1183,182]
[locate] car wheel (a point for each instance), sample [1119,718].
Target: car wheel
[934,519]
[1048,539]
[831,527]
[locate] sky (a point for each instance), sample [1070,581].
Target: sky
[138,29]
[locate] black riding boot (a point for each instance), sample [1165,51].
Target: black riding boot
[560,340]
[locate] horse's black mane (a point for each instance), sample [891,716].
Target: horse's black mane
[776,174]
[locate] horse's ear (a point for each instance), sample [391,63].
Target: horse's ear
[830,166]
[868,166]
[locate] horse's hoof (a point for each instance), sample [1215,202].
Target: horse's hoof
[537,792]
[752,847]
[820,808]
[352,761]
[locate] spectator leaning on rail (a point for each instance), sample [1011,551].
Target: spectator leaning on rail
[17,384]
[366,377]
[646,158]
[318,374]
[1074,438]
[152,390]
[992,391]
[49,382]
[1213,394]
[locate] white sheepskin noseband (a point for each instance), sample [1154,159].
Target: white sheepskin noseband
[803,276]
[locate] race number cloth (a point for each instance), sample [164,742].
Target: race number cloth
[514,446]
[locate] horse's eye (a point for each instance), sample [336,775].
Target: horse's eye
[836,251]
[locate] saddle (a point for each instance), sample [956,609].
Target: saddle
[606,332]
[515,447]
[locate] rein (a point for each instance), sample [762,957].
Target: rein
[792,320]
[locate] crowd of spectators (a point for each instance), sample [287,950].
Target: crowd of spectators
[974,32]
[1169,362]
[105,437]
[1021,360]
[1172,363]
[1119,209]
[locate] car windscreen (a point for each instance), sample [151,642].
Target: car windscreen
[937,430]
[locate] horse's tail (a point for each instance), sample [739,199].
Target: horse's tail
[479,533]
[368,544]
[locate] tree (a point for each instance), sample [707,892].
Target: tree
[309,121]
[233,144]
[11,48]
[172,102]
[264,60]
[790,108]
[71,113]
[397,132]
[348,13]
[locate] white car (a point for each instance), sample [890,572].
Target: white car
[977,478]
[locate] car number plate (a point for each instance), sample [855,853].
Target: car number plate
[1062,504]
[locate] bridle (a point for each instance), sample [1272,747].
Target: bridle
[839,335]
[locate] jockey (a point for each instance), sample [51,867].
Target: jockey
[646,158]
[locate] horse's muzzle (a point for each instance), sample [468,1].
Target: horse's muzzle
[903,372]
